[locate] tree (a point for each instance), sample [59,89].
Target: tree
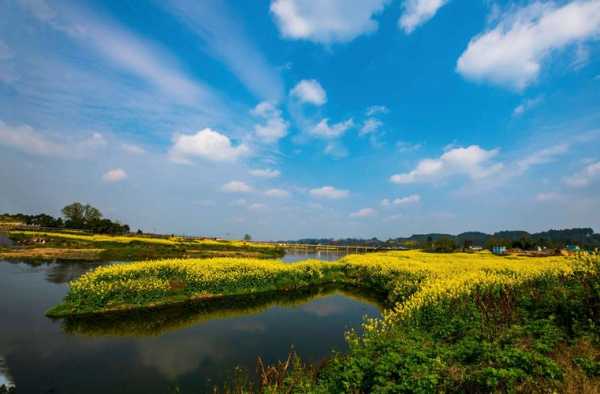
[82,216]
[91,214]
[247,237]
[74,212]
[444,245]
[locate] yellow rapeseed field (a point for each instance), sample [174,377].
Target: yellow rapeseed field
[153,240]
[411,279]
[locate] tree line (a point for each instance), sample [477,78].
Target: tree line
[76,216]
[438,242]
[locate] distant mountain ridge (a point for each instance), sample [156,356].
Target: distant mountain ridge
[584,237]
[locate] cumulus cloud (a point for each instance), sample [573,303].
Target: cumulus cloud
[472,161]
[417,12]
[114,175]
[512,52]
[326,21]
[309,91]
[324,130]
[26,139]
[363,213]
[277,193]
[585,177]
[236,187]
[274,127]
[207,144]
[371,125]
[265,173]
[329,192]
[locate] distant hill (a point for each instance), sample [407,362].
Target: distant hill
[583,237]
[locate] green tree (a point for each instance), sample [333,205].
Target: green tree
[74,212]
[91,214]
[247,237]
[78,215]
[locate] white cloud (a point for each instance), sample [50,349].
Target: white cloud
[590,173]
[542,156]
[326,21]
[309,91]
[324,130]
[26,139]
[223,34]
[114,175]
[581,57]
[370,125]
[417,12]
[207,144]
[265,173]
[335,149]
[471,161]
[124,50]
[133,149]
[376,110]
[363,213]
[408,200]
[236,187]
[403,146]
[277,193]
[527,105]
[329,192]
[401,201]
[511,53]
[274,128]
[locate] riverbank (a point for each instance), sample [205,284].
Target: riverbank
[395,274]
[160,320]
[80,246]
[457,322]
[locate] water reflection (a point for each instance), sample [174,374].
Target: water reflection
[193,347]
[295,255]
[6,382]
[161,320]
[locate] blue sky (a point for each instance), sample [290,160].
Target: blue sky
[301,118]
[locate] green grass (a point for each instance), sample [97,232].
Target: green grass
[135,248]
[455,323]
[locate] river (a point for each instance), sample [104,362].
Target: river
[190,348]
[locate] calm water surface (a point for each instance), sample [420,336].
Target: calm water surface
[193,347]
[292,255]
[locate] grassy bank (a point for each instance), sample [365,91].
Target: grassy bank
[395,274]
[158,321]
[457,322]
[70,245]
